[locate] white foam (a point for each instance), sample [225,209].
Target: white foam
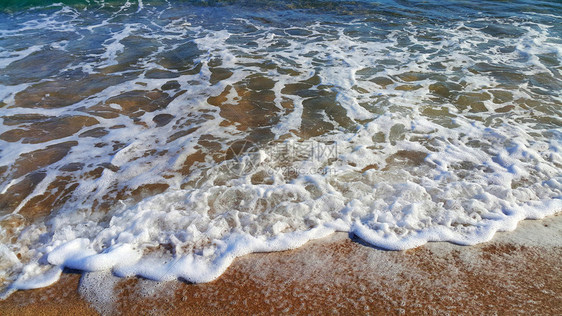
[36,276]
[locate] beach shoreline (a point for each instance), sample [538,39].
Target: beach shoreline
[164,139]
[516,272]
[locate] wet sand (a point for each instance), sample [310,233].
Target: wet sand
[516,273]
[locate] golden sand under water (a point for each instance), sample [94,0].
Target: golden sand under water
[253,110]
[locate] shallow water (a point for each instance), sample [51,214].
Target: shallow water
[164,139]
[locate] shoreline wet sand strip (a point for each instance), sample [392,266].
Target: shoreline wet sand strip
[517,272]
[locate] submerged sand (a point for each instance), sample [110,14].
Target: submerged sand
[517,272]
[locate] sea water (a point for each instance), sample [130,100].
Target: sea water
[166,138]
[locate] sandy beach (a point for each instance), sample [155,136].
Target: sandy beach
[516,273]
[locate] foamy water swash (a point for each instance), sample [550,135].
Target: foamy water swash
[166,138]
